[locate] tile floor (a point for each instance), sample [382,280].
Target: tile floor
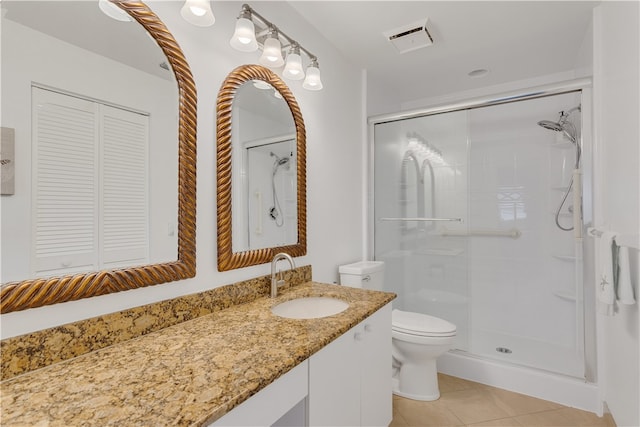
[465,403]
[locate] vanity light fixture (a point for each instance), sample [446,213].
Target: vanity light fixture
[253,31]
[113,11]
[198,12]
[272,50]
[293,68]
[313,82]
[244,37]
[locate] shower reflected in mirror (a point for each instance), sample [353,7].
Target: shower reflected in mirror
[275,211]
[270,188]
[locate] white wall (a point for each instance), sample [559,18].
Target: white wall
[380,98]
[617,202]
[333,120]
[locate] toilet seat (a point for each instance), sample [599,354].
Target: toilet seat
[422,325]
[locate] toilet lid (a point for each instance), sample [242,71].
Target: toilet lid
[421,324]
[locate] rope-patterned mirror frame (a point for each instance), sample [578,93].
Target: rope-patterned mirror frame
[26,294]
[227,259]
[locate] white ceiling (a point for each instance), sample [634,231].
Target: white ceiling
[514,40]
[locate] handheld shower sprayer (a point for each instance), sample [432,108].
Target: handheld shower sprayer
[275,211]
[568,129]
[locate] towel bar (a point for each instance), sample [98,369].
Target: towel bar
[628,240]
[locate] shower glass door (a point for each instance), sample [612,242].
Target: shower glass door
[420,207]
[464,219]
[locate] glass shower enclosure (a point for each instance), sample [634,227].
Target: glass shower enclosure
[464,206]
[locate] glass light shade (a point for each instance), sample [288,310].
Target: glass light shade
[112,11]
[312,82]
[293,69]
[244,38]
[198,13]
[277,94]
[272,54]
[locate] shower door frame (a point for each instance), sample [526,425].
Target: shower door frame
[582,86]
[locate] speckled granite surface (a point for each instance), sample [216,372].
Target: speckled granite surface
[42,348]
[187,374]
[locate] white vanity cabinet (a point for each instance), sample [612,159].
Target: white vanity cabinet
[350,379]
[347,383]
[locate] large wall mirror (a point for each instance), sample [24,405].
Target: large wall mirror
[261,169]
[99,119]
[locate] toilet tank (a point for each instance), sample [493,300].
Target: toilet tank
[363,274]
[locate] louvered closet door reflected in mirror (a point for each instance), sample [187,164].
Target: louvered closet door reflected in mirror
[90,185]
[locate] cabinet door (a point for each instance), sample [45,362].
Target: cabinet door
[376,394]
[334,383]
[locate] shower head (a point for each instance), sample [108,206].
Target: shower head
[554,126]
[562,125]
[567,128]
[558,126]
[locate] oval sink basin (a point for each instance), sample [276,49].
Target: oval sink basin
[309,308]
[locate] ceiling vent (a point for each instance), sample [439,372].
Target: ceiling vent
[410,37]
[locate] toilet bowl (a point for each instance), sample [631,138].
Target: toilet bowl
[417,341]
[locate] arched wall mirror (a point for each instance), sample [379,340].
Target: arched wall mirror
[97,113]
[261,169]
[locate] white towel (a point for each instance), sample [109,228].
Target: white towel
[605,290]
[624,288]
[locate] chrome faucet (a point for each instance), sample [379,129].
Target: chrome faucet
[276,283]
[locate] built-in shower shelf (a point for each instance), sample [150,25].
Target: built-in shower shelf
[567,296]
[569,258]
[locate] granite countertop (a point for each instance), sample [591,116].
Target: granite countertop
[187,374]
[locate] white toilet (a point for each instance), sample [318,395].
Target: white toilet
[417,339]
